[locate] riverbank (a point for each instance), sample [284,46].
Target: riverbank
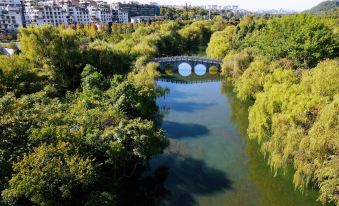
[210,160]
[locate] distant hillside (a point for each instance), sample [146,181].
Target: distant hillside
[332,13]
[324,7]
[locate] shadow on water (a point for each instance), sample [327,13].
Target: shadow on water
[190,177]
[145,190]
[177,130]
[188,107]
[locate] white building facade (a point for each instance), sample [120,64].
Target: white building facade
[77,15]
[11,15]
[100,14]
[119,16]
[14,13]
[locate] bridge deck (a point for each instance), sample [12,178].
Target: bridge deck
[187,58]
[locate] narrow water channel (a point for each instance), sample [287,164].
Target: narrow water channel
[210,159]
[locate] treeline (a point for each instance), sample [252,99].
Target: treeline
[57,55]
[76,121]
[288,66]
[78,114]
[197,13]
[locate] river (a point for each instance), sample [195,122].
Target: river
[210,159]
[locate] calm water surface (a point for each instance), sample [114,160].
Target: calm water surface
[210,159]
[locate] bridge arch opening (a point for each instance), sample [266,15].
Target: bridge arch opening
[169,69]
[200,69]
[213,70]
[185,69]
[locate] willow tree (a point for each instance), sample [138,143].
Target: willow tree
[221,43]
[295,123]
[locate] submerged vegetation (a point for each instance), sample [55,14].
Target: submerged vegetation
[78,112]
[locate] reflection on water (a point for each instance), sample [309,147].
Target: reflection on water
[184,69]
[213,70]
[210,160]
[192,79]
[200,69]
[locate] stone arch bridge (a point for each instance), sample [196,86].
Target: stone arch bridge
[175,61]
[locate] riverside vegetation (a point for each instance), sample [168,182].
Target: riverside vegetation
[79,119]
[78,113]
[289,68]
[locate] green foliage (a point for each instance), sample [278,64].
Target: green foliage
[134,101]
[221,43]
[145,75]
[74,125]
[182,13]
[154,40]
[219,24]
[106,57]
[92,79]
[17,117]
[49,175]
[303,38]
[320,162]
[295,122]
[194,34]
[261,75]
[234,64]
[17,76]
[83,143]
[249,28]
[247,86]
[56,49]
[295,112]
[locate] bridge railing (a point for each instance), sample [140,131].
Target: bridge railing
[186,58]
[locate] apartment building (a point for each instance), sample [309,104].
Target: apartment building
[10,15]
[100,14]
[77,15]
[119,16]
[14,13]
[39,13]
[136,9]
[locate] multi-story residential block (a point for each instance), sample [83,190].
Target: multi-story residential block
[77,15]
[10,15]
[39,13]
[136,9]
[100,14]
[119,16]
[14,13]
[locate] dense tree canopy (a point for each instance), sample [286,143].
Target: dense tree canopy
[303,38]
[286,118]
[221,43]
[295,110]
[78,111]
[75,143]
[195,34]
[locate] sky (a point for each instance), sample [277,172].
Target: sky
[250,5]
